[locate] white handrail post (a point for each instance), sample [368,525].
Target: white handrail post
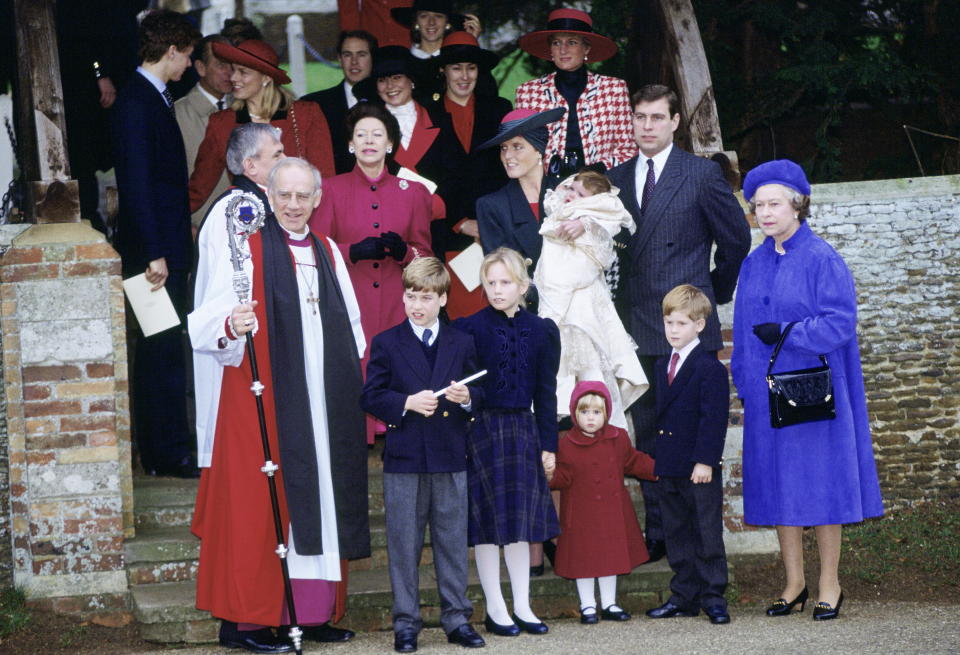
[295,51]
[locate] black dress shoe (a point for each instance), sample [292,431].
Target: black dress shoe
[510,630]
[824,612]
[405,641]
[718,614]
[781,607]
[538,628]
[466,636]
[536,571]
[656,549]
[614,613]
[668,611]
[589,618]
[326,633]
[255,641]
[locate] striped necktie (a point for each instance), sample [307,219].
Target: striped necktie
[168,97]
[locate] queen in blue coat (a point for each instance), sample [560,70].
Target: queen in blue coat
[813,474]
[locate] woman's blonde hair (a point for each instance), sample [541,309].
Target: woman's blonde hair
[593,401]
[514,262]
[275,97]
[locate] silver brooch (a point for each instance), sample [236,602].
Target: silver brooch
[404,184]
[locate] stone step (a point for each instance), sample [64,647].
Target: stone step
[159,555]
[163,502]
[166,611]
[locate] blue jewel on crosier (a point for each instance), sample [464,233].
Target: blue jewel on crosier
[246,214]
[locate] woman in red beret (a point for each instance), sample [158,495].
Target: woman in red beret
[259,97]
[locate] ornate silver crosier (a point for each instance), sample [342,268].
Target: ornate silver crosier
[245,215]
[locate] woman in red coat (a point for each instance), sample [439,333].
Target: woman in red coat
[258,97]
[381,222]
[600,537]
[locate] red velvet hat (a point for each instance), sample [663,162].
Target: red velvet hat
[568,21]
[254,54]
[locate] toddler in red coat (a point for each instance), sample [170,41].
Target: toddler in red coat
[600,537]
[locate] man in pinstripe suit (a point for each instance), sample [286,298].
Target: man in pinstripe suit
[682,206]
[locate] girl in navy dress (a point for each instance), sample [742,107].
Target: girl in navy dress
[510,448]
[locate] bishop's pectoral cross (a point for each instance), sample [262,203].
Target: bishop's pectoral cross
[313,301]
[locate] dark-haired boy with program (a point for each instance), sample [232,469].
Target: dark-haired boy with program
[425,456]
[693,405]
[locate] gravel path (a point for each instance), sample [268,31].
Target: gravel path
[863,629]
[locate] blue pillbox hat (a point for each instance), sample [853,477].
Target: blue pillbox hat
[778,171]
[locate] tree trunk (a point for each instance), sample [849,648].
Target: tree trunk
[52,197]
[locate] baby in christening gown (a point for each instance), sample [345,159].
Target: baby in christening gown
[573,293]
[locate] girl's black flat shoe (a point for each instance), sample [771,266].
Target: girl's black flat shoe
[781,607]
[588,618]
[536,571]
[510,630]
[824,612]
[538,628]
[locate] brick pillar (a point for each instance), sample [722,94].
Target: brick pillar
[65,375]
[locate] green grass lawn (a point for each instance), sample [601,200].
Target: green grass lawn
[510,72]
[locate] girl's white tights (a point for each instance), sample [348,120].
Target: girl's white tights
[517,557]
[608,591]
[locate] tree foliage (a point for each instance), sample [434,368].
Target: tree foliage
[790,62]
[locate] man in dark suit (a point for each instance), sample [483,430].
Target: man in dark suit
[355,50]
[682,207]
[153,233]
[425,458]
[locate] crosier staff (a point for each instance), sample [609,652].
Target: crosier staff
[245,215]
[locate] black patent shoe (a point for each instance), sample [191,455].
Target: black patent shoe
[718,615]
[536,571]
[510,630]
[405,641]
[255,641]
[466,636]
[669,611]
[326,633]
[614,613]
[538,628]
[781,607]
[589,618]
[824,612]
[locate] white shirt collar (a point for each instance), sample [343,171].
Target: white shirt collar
[420,53]
[153,79]
[684,353]
[348,91]
[418,330]
[227,100]
[659,161]
[406,116]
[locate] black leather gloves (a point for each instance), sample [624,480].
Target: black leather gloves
[369,248]
[394,245]
[769,333]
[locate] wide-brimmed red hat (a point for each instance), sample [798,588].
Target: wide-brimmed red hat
[568,21]
[254,54]
[462,46]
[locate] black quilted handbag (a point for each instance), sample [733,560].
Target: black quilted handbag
[799,396]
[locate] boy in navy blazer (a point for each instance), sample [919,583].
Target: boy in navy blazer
[693,404]
[425,461]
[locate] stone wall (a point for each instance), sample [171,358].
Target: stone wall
[64,359]
[901,240]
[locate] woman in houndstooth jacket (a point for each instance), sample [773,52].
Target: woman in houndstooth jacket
[598,131]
